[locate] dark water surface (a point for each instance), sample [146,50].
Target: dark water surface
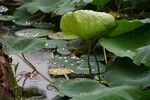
[40,60]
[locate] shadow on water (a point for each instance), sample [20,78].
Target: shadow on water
[40,60]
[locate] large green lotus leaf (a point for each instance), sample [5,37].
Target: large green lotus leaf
[78,65]
[125,45]
[34,32]
[116,93]
[73,88]
[87,24]
[124,26]
[100,2]
[125,72]
[21,45]
[56,43]
[143,56]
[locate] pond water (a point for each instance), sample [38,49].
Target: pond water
[40,60]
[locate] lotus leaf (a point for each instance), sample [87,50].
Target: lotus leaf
[87,24]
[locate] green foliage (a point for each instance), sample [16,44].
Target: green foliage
[75,88]
[22,45]
[22,16]
[83,89]
[44,6]
[142,56]
[127,40]
[126,45]
[56,43]
[78,65]
[100,2]
[30,33]
[124,26]
[87,24]
[124,72]
[6,17]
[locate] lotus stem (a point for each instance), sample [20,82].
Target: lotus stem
[34,68]
[105,55]
[99,77]
[89,50]
[118,3]
[66,76]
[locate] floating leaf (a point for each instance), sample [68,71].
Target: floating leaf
[29,33]
[83,89]
[3,9]
[116,93]
[43,25]
[58,71]
[124,26]
[65,7]
[87,24]
[48,6]
[77,65]
[23,17]
[124,72]
[56,43]
[6,17]
[73,88]
[60,35]
[21,45]
[63,51]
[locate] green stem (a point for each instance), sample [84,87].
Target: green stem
[34,68]
[66,76]
[99,77]
[118,4]
[105,55]
[89,49]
